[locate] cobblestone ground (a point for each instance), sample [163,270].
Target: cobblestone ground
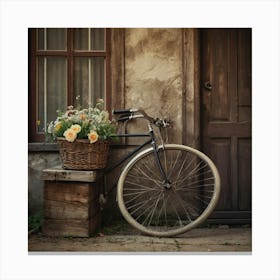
[120,240]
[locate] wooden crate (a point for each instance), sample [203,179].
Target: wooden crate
[71,203]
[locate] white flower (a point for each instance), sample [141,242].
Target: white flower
[50,127]
[105,116]
[96,119]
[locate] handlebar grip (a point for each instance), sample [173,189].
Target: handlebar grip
[123,118]
[123,111]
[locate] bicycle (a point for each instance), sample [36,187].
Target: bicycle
[166,189]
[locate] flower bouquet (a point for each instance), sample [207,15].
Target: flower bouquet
[83,136]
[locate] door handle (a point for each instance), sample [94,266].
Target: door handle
[208,86]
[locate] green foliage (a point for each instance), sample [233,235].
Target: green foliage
[104,131]
[35,221]
[85,129]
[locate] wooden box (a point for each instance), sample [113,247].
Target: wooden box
[71,203]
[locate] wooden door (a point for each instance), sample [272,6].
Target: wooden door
[226,117]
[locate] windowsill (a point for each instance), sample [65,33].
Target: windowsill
[42,147]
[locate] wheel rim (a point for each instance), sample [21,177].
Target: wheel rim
[165,209]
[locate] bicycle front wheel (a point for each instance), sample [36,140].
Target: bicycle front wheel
[154,208]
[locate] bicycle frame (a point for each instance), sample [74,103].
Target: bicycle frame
[151,141]
[132,153]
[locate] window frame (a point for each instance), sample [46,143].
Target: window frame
[70,54]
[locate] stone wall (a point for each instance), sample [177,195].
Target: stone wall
[37,161]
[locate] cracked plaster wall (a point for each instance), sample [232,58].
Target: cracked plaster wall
[153,74]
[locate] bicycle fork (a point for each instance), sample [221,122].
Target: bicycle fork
[166,182]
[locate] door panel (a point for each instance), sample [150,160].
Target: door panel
[244,169]
[226,116]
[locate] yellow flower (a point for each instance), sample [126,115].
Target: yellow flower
[70,135]
[57,127]
[92,136]
[83,117]
[75,127]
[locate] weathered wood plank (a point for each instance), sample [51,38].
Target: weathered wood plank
[71,227]
[60,174]
[74,210]
[65,210]
[190,86]
[118,67]
[245,173]
[245,67]
[70,191]
[226,129]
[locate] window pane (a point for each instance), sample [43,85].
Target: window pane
[52,39]
[51,89]
[97,39]
[89,39]
[81,39]
[89,79]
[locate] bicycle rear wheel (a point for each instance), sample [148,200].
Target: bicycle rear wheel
[155,209]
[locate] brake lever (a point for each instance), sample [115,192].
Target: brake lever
[162,122]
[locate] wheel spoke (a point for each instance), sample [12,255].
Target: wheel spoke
[144,203]
[133,193]
[201,200]
[132,199]
[165,160]
[179,173]
[195,169]
[196,182]
[138,186]
[180,201]
[173,165]
[147,176]
[145,211]
[153,211]
[161,209]
[186,178]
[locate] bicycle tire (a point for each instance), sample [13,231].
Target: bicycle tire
[190,199]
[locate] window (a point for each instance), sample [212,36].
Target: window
[64,64]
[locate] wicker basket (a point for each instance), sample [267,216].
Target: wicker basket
[81,155]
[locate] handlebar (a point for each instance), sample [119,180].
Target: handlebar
[124,111]
[129,114]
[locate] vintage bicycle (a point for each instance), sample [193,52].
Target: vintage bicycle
[165,189]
